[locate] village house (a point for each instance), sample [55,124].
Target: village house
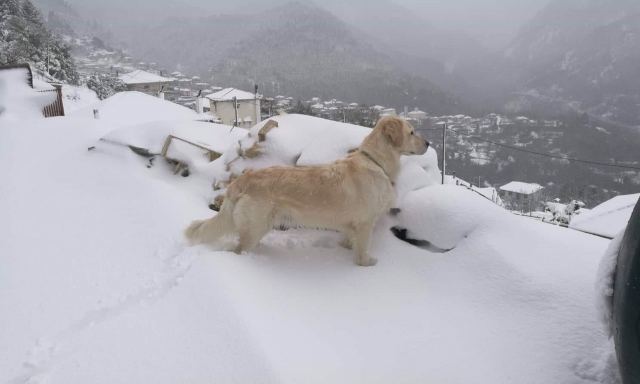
[146,82]
[235,107]
[521,196]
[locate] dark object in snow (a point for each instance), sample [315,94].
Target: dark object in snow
[91,148]
[402,234]
[395,212]
[140,151]
[626,302]
[216,204]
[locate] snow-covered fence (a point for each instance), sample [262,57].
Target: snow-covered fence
[57,107]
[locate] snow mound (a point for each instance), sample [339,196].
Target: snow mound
[445,215]
[75,98]
[132,108]
[301,140]
[17,99]
[608,218]
[417,172]
[152,136]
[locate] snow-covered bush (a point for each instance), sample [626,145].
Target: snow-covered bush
[105,85]
[24,38]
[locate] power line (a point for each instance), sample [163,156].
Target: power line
[592,162]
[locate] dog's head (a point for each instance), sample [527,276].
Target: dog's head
[402,136]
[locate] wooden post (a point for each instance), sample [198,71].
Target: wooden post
[444,150]
[235,107]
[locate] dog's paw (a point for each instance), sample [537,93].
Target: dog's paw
[369,262]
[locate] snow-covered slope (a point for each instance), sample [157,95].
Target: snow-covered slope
[97,286]
[608,218]
[75,98]
[129,108]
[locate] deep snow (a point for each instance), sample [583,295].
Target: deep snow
[97,286]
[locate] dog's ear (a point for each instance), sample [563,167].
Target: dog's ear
[392,129]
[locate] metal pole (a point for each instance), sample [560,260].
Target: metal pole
[235,108]
[444,150]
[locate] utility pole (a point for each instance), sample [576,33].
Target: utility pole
[444,150]
[235,108]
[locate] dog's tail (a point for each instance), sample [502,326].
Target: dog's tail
[210,230]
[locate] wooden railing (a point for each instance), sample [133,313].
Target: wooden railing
[56,108]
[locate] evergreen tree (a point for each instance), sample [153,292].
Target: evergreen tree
[24,38]
[105,85]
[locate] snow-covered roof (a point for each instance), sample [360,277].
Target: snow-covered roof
[229,93]
[608,218]
[520,187]
[129,108]
[417,112]
[42,85]
[143,77]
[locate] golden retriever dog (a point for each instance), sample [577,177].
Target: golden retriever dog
[348,195]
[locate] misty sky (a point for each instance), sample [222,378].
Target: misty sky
[493,22]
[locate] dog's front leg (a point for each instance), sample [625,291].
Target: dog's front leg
[361,245]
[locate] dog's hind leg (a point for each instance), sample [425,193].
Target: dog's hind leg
[361,245]
[209,231]
[252,220]
[347,239]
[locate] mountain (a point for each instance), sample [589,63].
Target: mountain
[453,60]
[307,51]
[63,18]
[584,53]
[296,49]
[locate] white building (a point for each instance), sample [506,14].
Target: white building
[521,196]
[235,107]
[147,82]
[388,112]
[417,114]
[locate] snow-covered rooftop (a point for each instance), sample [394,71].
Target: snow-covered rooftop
[608,218]
[129,108]
[143,77]
[521,187]
[229,93]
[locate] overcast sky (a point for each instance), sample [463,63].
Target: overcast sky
[494,22]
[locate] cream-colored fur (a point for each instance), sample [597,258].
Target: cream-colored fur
[348,195]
